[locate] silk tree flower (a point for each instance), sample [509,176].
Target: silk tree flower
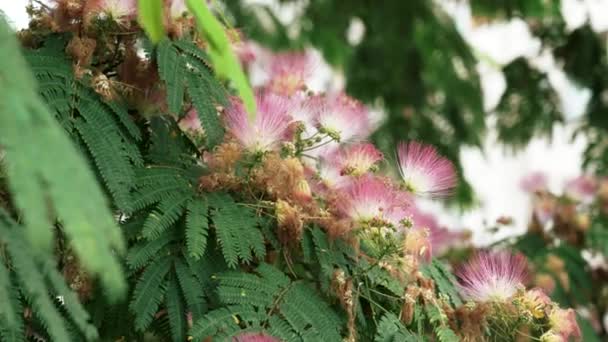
[424,171]
[369,200]
[492,277]
[534,182]
[290,71]
[122,11]
[536,301]
[303,109]
[358,159]
[270,128]
[418,244]
[563,322]
[254,337]
[581,188]
[343,118]
[191,123]
[338,168]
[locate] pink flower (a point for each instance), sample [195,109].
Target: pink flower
[358,159]
[254,337]
[581,188]
[191,123]
[289,72]
[418,243]
[177,8]
[369,200]
[492,276]
[337,169]
[564,323]
[535,181]
[424,171]
[270,128]
[121,11]
[343,118]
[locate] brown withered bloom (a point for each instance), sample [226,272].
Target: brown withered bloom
[81,49]
[290,225]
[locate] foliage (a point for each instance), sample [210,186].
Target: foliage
[240,234]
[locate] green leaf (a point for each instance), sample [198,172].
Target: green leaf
[224,60]
[150,17]
[197,227]
[172,72]
[149,293]
[176,310]
[47,176]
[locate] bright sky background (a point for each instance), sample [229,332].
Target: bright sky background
[495,172]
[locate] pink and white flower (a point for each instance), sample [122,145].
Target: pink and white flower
[358,159]
[254,337]
[338,168]
[290,71]
[563,322]
[582,188]
[121,11]
[191,123]
[424,171]
[534,182]
[492,277]
[369,200]
[343,118]
[270,128]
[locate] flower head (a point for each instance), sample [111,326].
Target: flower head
[492,276]
[343,118]
[563,322]
[289,71]
[582,188]
[536,301]
[536,181]
[270,128]
[121,11]
[191,122]
[254,337]
[418,243]
[424,171]
[358,159]
[369,200]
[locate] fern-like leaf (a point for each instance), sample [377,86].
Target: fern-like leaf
[236,229]
[140,254]
[192,290]
[172,72]
[390,329]
[444,280]
[176,311]
[167,213]
[197,226]
[149,293]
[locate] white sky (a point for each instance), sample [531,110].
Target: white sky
[494,172]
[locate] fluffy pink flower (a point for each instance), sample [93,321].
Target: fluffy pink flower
[191,123]
[177,8]
[424,171]
[535,181]
[338,168]
[343,117]
[270,128]
[289,71]
[582,188]
[492,276]
[369,199]
[563,322]
[418,243]
[120,10]
[255,337]
[358,159]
